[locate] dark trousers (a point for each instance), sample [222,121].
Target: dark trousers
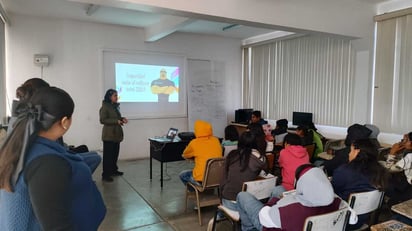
[110,156]
[399,189]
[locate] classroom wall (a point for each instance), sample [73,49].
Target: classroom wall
[389,6]
[75,51]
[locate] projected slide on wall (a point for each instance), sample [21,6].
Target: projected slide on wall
[147,83]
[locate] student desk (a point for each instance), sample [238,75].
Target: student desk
[404,208]
[391,225]
[165,151]
[325,156]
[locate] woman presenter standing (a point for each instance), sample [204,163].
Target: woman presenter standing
[112,134]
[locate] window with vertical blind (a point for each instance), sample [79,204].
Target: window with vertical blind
[307,74]
[392,108]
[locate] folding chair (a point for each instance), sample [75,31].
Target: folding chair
[211,180]
[333,221]
[367,202]
[260,188]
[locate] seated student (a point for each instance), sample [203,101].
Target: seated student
[231,139]
[257,130]
[374,134]
[363,173]
[91,158]
[200,149]
[400,163]
[310,136]
[317,139]
[290,158]
[303,132]
[243,164]
[280,131]
[267,129]
[314,195]
[354,132]
[257,118]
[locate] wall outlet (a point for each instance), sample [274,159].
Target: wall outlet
[41,60]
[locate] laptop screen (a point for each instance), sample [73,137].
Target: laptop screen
[171,133]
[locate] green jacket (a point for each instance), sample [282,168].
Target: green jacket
[109,117]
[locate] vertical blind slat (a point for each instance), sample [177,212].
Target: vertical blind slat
[312,74]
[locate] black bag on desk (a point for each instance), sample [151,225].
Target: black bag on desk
[186,136]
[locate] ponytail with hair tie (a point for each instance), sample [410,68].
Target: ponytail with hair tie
[34,116]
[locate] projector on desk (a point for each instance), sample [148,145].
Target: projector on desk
[186,136]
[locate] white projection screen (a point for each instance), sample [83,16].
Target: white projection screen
[149,85]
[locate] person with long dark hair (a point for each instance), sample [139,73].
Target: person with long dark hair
[42,186]
[400,163]
[231,139]
[303,132]
[112,134]
[243,164]
[362,173]
[257,130]
[23,94]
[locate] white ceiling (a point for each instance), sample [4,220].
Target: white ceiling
[65,9]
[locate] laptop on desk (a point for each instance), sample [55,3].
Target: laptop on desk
[169,137]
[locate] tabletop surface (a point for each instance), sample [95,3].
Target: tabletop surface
[325,156]
[393,225]
[404,208]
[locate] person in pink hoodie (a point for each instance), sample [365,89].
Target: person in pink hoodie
[291,157]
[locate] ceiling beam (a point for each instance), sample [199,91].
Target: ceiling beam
[166,26]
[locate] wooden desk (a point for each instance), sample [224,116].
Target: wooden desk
[391,225]
[165,151]
[325,156]
[404,208]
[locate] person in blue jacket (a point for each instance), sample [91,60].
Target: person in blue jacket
[42,186]
[256,117]
[362,173]
[23,94]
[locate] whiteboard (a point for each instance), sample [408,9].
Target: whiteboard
[206,94]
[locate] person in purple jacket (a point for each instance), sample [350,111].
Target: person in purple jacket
[314,195]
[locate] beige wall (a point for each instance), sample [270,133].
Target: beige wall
[75,51]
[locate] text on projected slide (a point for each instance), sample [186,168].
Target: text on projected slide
[147,83]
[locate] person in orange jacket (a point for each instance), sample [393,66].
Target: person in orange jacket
[200,149]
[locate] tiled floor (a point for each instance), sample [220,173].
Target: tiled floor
[134,202]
